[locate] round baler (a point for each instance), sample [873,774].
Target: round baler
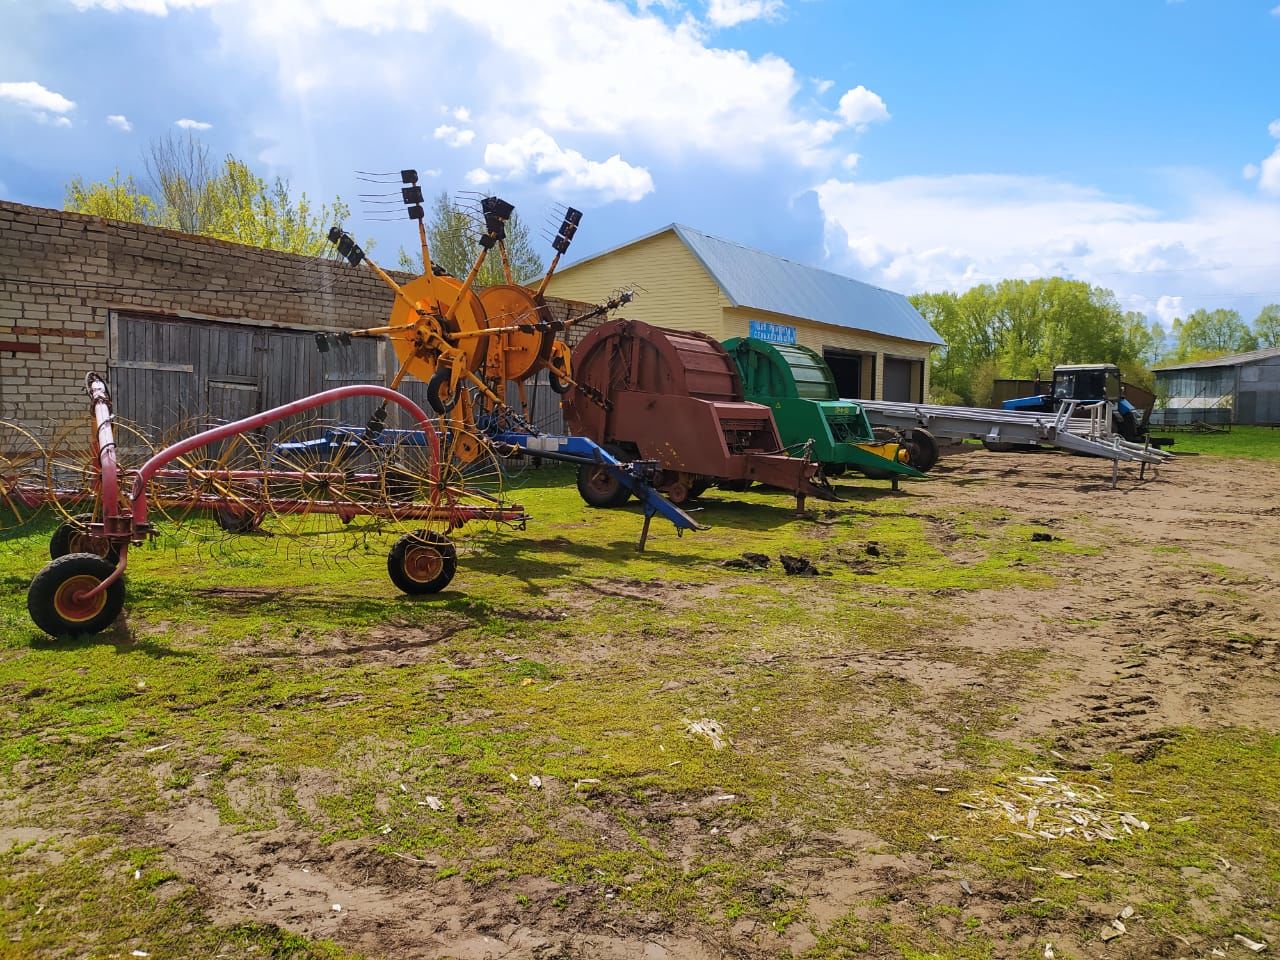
[675,397]
[796,383]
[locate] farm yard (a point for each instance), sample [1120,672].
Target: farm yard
[1015,713]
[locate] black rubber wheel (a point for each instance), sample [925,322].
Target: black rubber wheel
[998,446]
[833,470]
[73,537]
[600,488]
[436,386]
[557,385]
[422,562]
[886,435]
[699,487]
[736,486]
[922,449]
[1126,425]
[234,520]
[54,604]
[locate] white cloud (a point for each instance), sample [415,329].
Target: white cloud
[188,124]
[158,8]
[462,115]
[566,172]
[822,86]
[1268,172]
[44,105]
[730,13]
[452,136]
[860,107]
[1275,11]
[120,122]
[951,232]
[564,69]
[850,162]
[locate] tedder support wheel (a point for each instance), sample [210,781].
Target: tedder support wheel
[55,599]
[422,562]
[438,397]
[73,537]
[922,448]
[600,488]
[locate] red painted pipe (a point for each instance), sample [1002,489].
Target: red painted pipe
[110,482]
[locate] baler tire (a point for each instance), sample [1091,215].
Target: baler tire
[735,486]
[70,537]
[601,489]
[699,487]
[922,448]
[435,401]
[51,598]
[422,562]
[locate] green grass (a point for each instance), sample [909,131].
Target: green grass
[1259,443]
[314,699]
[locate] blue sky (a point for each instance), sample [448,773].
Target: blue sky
[919,144]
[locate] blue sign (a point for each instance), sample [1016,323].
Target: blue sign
[773,332]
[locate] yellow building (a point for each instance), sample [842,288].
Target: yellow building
[875,341]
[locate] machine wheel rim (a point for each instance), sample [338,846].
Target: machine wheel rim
[601,481]
[423,563]
[72,606]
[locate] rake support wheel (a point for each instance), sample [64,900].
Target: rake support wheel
[422,562]
[73,536]
[598,487]
[55,598]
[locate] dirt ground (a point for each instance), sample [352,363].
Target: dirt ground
[1170,623]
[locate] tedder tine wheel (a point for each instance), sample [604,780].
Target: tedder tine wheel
[56,598]
[422,562]
[72,536]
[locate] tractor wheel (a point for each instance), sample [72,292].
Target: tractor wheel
[600,488]
[922,449]
[422,562]
[73,537]
[54,598]
[437,386]
[1126,425]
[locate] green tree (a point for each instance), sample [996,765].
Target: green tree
[1024,328]
[453,234]
[1211,333]
[1266,327]
[230,202]
[118,198]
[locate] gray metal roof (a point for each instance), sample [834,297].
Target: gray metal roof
[1235,360]
[760,281]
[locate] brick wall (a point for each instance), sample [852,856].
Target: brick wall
[63,274]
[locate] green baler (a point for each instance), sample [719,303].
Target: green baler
[797,384]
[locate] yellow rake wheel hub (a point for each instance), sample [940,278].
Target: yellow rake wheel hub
[71,606]
[436,295]
[423,562]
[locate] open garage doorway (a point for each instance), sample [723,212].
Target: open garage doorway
[854,372]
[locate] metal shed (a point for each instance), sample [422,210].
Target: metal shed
[1241,388]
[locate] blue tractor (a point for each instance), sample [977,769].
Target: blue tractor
[1088,383]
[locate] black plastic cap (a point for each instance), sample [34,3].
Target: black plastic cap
[335,234]
[416,212]
[573,216]
[355,256]
[560,244]
[411,194]
[487,241]
[345,243]
[322,343]
[408,176]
